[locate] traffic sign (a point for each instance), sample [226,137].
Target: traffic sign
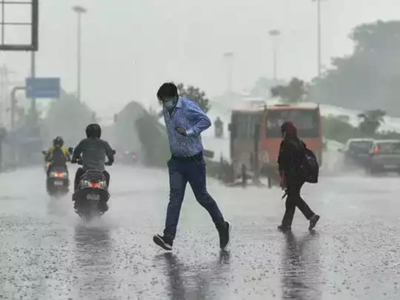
[42,88]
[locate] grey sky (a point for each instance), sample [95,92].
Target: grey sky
[146,42]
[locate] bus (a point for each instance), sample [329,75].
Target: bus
[256,133]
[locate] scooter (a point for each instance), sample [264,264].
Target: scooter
[91,195]
[57,180]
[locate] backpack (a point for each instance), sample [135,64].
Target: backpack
[309,167]
[58,157]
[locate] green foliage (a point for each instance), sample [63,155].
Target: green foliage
[195,94]
[369,77]
[137,130]
[125,137]
[338,129]
[154,140]
[292,93]
[371,120]
[67,117]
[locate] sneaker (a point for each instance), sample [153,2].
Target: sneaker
[284,228]
[313,221]
[224,235]
[163,242]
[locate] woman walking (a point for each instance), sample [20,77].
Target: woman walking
[291,156]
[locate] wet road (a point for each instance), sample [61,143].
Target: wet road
[47,252]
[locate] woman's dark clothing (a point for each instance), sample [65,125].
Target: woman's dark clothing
[294,199]
[291,155]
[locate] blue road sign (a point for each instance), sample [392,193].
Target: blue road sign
[42,88]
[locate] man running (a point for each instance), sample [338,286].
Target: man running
[185,121]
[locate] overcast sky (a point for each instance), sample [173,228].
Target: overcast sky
[131,46]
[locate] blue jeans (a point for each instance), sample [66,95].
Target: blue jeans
[192,172]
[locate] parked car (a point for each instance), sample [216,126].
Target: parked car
[384,157]
[357,152]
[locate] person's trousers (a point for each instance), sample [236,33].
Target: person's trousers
[294,200]
[193,172]
[80,172]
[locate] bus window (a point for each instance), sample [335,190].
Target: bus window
[306,121]
[242,126]
[245,125]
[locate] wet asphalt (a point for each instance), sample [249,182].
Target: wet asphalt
[47,252]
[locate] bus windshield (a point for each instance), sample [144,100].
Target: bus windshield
[306,121]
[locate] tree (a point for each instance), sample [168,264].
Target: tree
[337,128]
[153,139]
[370,121]
[195,94]
[67,117]
[370,76]
[138,130]
[291,93]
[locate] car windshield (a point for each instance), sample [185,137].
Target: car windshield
[360,146]
[389,148]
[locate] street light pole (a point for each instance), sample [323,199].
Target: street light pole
[33,75]
[4,96]
[275,34]
[319,37]
[79,11]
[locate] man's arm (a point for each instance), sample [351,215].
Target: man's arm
[109,153]
[202,121]
[78,151]
[66,153]
[48,154]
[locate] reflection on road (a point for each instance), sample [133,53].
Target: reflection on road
[93,256]
[45,255]
[301,267]
[194,282]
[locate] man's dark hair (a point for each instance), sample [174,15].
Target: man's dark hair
[167,90]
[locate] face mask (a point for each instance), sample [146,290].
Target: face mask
[169,103]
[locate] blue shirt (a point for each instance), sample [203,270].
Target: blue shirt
[189,116]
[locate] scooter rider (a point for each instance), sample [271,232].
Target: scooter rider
[57,155]
[94,151]
[219,128]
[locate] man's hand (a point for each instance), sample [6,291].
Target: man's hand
[181,131]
